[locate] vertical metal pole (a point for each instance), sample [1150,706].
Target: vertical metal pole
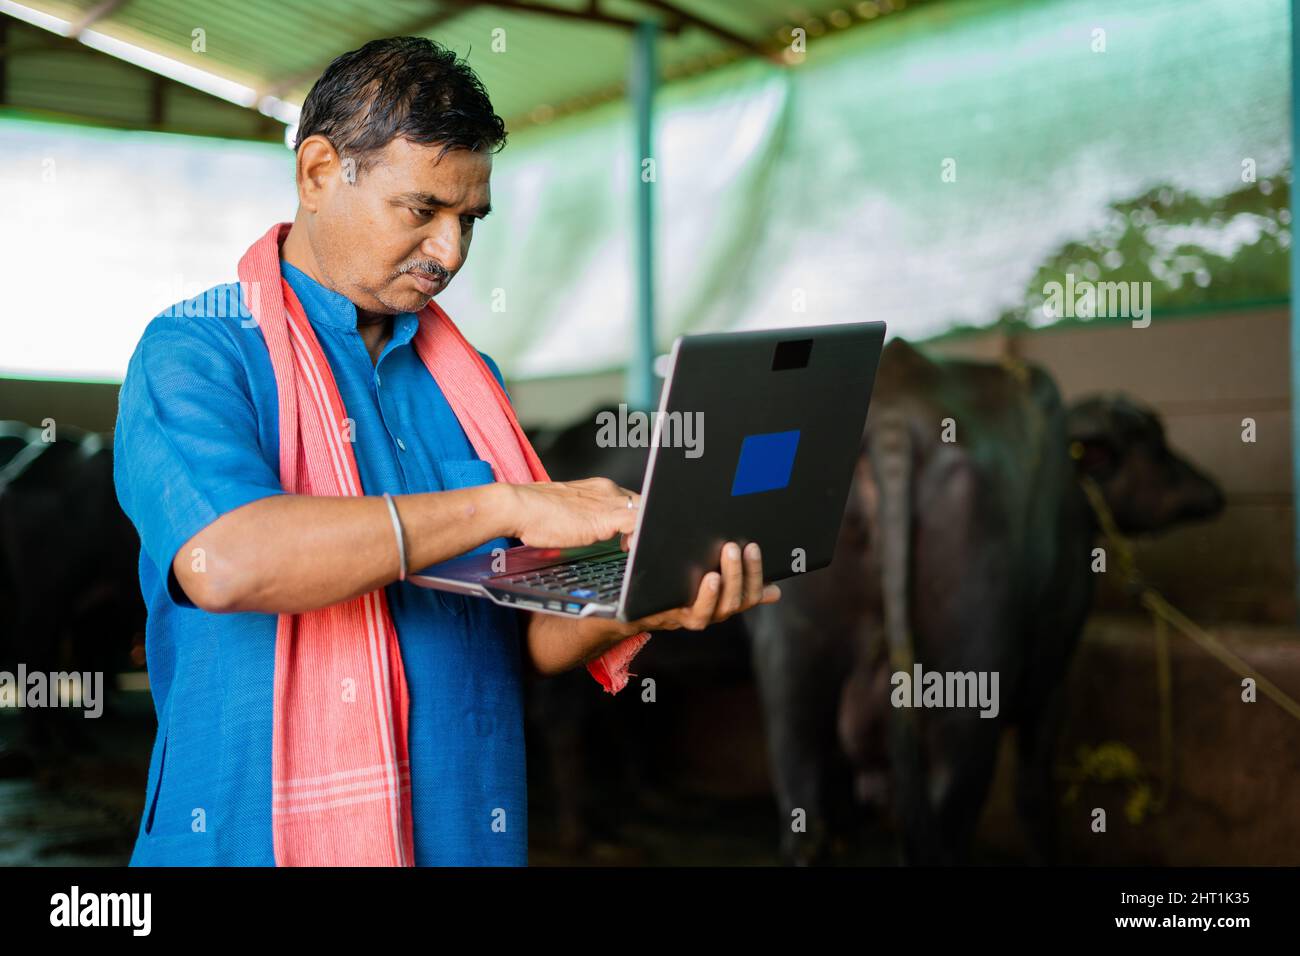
[1295,306]
[4,59]
[642,81]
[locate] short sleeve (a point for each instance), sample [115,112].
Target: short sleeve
[186,445]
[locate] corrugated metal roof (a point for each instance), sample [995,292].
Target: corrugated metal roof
[52,76]
[551,65]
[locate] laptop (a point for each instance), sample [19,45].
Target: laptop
[756,438]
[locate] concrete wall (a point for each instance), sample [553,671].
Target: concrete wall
[81,404]
[552,401]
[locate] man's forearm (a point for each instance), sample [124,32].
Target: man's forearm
[555,644]
[291,553]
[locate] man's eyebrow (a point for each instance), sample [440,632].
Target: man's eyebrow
[429,199]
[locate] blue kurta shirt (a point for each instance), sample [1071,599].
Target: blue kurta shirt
[198,436]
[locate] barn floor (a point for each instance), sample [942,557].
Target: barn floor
[1235,768]
[715,808]
[59,819]
[86,810]
[57,823]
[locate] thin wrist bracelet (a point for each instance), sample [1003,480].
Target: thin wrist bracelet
[401,538]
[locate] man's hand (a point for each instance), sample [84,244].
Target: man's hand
[738,588]
[569,514]
[556,644]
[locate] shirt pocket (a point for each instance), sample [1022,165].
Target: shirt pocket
[154,788]
[173,819]
[454,473]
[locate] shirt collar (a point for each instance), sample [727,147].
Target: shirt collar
[330,309]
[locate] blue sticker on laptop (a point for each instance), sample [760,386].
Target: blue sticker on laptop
[765,462]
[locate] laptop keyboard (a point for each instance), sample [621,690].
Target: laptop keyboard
[595,579]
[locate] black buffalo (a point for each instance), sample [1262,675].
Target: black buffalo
[965,555]
[67,572]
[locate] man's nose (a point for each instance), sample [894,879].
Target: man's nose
[443,243]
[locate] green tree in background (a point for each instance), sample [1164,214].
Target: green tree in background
[1196,252]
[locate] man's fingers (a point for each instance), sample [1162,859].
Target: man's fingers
[706,602]
[753,574]
[705,610]
[627,506]
[738,585]
[623,494]
[733,580]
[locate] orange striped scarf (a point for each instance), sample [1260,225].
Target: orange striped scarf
[340,762]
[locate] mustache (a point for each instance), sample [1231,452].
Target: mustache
[428,266]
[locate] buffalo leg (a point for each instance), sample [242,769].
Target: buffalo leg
[800,691]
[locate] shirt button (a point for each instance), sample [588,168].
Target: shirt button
[378,380]
[401,444]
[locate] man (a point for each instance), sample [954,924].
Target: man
[286,467]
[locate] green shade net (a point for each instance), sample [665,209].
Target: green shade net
[1156,150]
[1107,139]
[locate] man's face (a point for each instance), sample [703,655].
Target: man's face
[392,239]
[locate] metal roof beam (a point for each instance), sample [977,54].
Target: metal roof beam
[36,40]
[592,14]
[284,84]
[722,33]
[96,13]
[158,101]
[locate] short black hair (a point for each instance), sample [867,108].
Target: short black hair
[400,88]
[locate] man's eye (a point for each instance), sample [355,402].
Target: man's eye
[422,213]
[467,222]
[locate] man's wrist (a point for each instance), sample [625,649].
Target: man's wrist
[615,630]
[502,503]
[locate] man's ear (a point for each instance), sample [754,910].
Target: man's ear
[1095,456]
[319,171]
